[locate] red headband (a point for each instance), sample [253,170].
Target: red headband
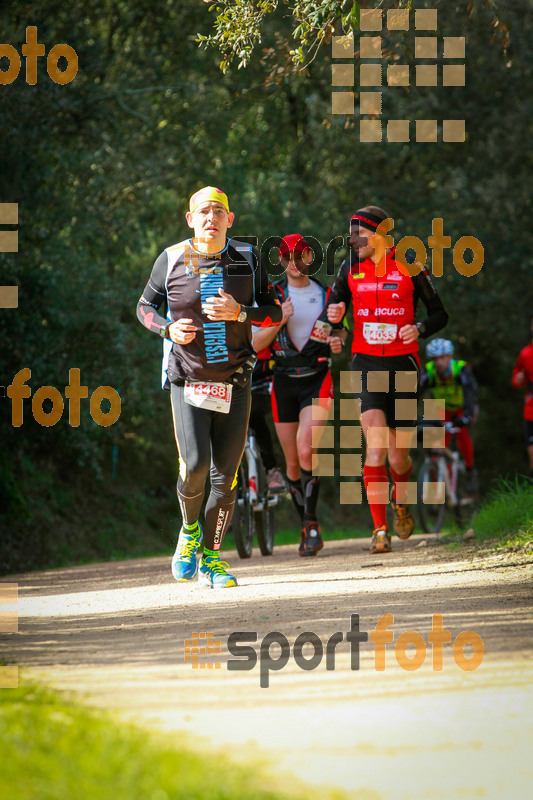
[367,220]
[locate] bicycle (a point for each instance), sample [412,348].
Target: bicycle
[253,513]
[441,484]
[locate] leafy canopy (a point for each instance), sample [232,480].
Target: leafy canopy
[305,25]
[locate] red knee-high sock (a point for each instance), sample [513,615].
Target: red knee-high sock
[403,478]
[376,483]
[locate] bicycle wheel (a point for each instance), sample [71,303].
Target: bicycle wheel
[430,514]
[467,502]
[264,518]
[242,519]
[264,528]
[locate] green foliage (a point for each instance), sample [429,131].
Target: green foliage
[240,25]
[53,749]
[53,518]
[507,515]
[236,38]
[102,169]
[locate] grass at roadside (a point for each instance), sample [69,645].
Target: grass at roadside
[66,522]
[54,749]
[506,517]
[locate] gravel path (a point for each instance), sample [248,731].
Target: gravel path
[116,633]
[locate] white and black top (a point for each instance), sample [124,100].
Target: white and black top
[308,352]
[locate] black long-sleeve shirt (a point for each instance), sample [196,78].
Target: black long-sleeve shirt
[182,279]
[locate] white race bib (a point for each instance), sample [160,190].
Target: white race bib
[211,396]
[320,332]
[379,332]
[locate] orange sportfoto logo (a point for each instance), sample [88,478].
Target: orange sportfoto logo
[75,392]
[32,50]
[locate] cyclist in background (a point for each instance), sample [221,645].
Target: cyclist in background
[523,379]
[208,284]
[452,380]
[302,345]
[384,296]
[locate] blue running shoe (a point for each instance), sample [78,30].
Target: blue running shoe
[212,573]
[184,564]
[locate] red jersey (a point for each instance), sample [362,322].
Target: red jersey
[524,364]
[383,305]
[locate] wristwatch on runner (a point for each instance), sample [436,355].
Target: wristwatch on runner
[421,328]
[163,331]
[242,315]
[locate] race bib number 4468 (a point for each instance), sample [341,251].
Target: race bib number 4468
[211,396]
[379,332]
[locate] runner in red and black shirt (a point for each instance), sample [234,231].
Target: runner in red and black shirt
[302,388]
[523,379]
[385,365]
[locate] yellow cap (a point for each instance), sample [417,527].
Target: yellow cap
[206,195]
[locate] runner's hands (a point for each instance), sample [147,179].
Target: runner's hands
[182,331]
[288,310]
[335,343]
[223,307]
[219,308]
[336,312]
[409,334]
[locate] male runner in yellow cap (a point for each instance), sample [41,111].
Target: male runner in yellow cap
[209,284]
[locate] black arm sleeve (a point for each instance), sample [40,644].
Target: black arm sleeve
[468,382]
[425,290]
[268,311]
[340,291]
[153,297]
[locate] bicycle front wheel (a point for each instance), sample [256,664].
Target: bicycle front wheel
[467,501]
[264,528]
[264,517]
[430,499]
[242,519]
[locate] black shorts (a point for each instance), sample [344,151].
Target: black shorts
[290,395]
[388,383]
[528,431]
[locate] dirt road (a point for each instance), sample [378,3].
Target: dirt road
[116,632]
